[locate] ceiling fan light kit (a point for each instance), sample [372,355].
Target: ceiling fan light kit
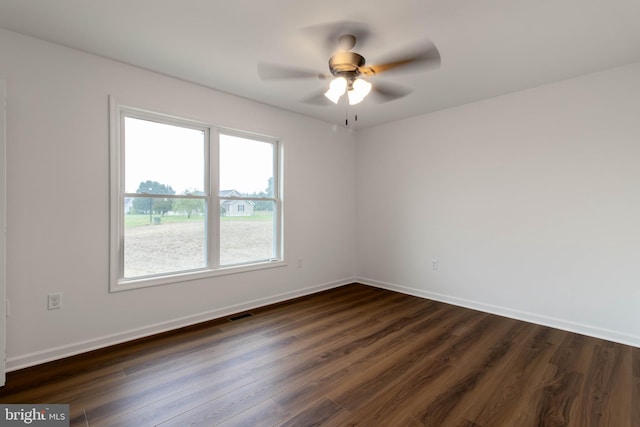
[356,90]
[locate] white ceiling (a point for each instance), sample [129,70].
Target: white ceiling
[488,47]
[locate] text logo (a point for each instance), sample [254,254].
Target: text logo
[34,415]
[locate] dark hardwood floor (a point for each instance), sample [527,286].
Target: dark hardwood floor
[352,356]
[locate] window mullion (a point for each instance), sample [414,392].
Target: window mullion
[213,181]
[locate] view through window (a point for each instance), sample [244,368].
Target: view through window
[193,198]
[165,199]
[247,200]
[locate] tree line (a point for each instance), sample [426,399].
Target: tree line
[189,206]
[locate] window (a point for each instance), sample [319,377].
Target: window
[189,200]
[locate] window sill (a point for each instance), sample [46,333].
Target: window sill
[145,282]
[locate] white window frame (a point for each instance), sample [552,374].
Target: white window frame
[117,113]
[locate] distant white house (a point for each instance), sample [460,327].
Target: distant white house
[235,207]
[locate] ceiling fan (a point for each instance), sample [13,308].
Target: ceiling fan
[350,73]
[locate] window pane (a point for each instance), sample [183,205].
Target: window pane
[246,166]
[247,229]
[156,243]
[162,158]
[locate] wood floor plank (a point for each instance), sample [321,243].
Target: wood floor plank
[447,404]
[618,396]
[332,318]
[293,368]
[549,402]
[143,390]
[364,364]
[504,392]
[265,414]
[635,391]
[153,410]
[324,412]
[217,410]
[595,401]
[340,363]
[78,420]
[365,385]
[350,356]
[429,375]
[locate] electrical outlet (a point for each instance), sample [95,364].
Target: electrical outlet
[434,264]
[299,262]
[54,301]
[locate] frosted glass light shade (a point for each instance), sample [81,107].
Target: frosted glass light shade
[361,88]
[337,88]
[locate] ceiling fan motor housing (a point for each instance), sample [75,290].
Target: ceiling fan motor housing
[346,64]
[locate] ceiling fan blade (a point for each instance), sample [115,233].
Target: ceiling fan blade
[270,71]
[424,56]
[329,33]
[385,92]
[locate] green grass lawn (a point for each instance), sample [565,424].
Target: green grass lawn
[141,220]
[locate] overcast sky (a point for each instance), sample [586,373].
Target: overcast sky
[174,156]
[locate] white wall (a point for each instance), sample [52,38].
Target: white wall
[530,202]
[58,195]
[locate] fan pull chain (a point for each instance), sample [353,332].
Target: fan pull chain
[346,117]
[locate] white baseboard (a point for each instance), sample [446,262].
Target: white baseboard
[552,322]
[36,358]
